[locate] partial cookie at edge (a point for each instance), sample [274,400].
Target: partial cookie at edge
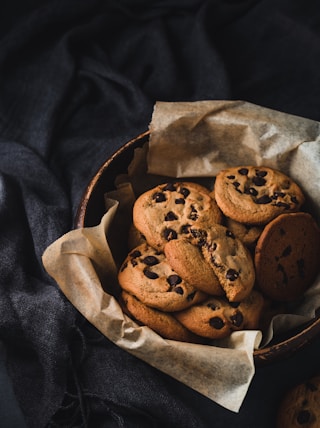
[300,406]
[287,256]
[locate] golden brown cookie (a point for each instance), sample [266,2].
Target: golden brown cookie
[146,274]
[216,318]
[229,259]
[163,323]
[287,256]
[168,210]
[256,195]
[187,260]
[300,407]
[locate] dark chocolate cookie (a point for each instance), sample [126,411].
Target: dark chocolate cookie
[287,256]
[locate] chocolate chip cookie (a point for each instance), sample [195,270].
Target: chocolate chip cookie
[256,195]
[228,257]
[216,318]
[301,406]
[146,274]
[287,256]
[163,323]
[168,210]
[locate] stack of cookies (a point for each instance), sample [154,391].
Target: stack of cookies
[203,263]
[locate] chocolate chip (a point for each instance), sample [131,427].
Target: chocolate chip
[212,306]
[287,251]
[180,201]
[201,243]
[251,191]
[216,323]
[303,417]
[184,191]
[261,173]
[185,228]
[259,181]
[213,247]
[194,214]
[231,177]
[159,197]
[198,233]
[170,234]
[135,254]
[149,274]
[170,216]
[170,187]
[178,290]
[237,319]
[294,200]
[190,296]
[234,304]
[236,186]
[150,260]
[243,171]
[263,200]
[281,269]
[134,262]
[200,236]
[277,195]
[232,274]
[174,280]
[282,205]
[229,234]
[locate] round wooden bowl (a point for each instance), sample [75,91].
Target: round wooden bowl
[91,209]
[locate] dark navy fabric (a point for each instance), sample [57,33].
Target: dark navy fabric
[78,79]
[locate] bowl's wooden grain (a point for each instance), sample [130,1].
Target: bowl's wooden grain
[91,209]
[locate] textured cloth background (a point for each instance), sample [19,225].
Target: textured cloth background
[78,79]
